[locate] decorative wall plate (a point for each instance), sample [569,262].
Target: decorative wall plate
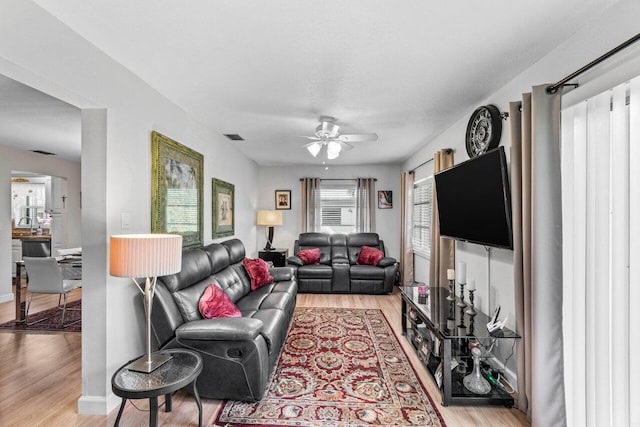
[483,131]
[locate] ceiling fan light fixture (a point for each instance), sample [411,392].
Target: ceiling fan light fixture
[327,130]
[314,149]
[333,150]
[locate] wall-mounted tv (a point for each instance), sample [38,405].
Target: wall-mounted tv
[474,201]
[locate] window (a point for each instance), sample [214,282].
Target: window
[422,211]
[338,206]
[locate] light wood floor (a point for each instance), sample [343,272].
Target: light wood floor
[40,378]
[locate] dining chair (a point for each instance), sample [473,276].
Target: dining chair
[45,277]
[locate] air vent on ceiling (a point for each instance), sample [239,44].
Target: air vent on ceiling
[234,136]
[46,153]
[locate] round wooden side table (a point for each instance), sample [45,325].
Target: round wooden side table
[180,371]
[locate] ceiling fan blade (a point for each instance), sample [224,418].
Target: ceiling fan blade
[313,138]
[309,144]
[358,137]
[345,145]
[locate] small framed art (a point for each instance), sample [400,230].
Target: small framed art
[283,199]
[385,199]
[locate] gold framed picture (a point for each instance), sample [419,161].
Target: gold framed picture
[223,208]
[176,190]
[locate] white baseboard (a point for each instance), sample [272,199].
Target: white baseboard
[6,297]
[97,405]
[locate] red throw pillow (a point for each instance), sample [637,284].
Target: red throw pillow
[310,256]
[258,271]
[369,255]
[214,302]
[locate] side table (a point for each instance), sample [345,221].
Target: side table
[277,256]
[180,371]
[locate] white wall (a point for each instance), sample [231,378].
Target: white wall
[617,24]
[13,159]
[288,178]
[119,111]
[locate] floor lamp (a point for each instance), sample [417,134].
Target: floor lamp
[269,219]
[149,256]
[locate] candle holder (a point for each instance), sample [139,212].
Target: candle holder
[470,310]
[461,303]
[452,295]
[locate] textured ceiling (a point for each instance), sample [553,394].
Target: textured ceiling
[268,70]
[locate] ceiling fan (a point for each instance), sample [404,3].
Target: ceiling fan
[327,135]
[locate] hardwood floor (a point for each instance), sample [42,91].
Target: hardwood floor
[40,377]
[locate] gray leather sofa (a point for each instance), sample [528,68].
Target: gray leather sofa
[338,271]
[239,354]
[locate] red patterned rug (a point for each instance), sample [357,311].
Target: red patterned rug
[339,367]
[49,320]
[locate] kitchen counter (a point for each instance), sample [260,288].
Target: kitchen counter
[21,235]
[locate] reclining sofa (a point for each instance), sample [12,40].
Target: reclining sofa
[238,353]
[338,270]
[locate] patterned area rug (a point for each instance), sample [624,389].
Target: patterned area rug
[49,320]
[339,367]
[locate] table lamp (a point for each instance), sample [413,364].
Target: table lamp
[269,219]
[148,256]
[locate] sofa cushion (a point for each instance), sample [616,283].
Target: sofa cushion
[369,256]
[309,256]
[195,267]
[258,271]
[366,272]
[275,325]
[313,271]
[215,303]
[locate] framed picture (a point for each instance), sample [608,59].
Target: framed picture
[176,190]
[283,199]
[385,199]
[223,208]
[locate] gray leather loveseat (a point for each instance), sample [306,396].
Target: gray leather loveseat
[338,270]
[239,354]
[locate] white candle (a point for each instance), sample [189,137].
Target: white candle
[472,285]
[451,274]
[462,272]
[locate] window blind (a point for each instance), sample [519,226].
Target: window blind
[422,210]
[338,206]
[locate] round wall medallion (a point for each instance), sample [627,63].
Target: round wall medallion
[484,130]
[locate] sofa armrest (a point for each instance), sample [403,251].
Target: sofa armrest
[386,262]
[281,274]
[295,260]
[339,259]
[222,329]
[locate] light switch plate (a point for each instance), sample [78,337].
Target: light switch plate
[125,221]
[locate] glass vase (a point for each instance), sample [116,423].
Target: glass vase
[474,381]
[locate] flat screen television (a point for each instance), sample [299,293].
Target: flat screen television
[474,201]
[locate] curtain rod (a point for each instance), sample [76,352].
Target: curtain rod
[554,88]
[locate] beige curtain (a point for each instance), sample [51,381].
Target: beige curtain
[442,250]
[406,231]
[537,228]
[310,196]
[365,205]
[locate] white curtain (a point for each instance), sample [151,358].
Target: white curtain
[537,252]
[365,205]
[310,197]
[601,204]
[406,228]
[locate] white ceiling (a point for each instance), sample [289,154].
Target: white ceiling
[267,70]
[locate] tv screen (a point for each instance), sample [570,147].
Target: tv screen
[474,201]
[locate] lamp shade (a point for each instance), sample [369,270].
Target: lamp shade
[269,218]
[145,255]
